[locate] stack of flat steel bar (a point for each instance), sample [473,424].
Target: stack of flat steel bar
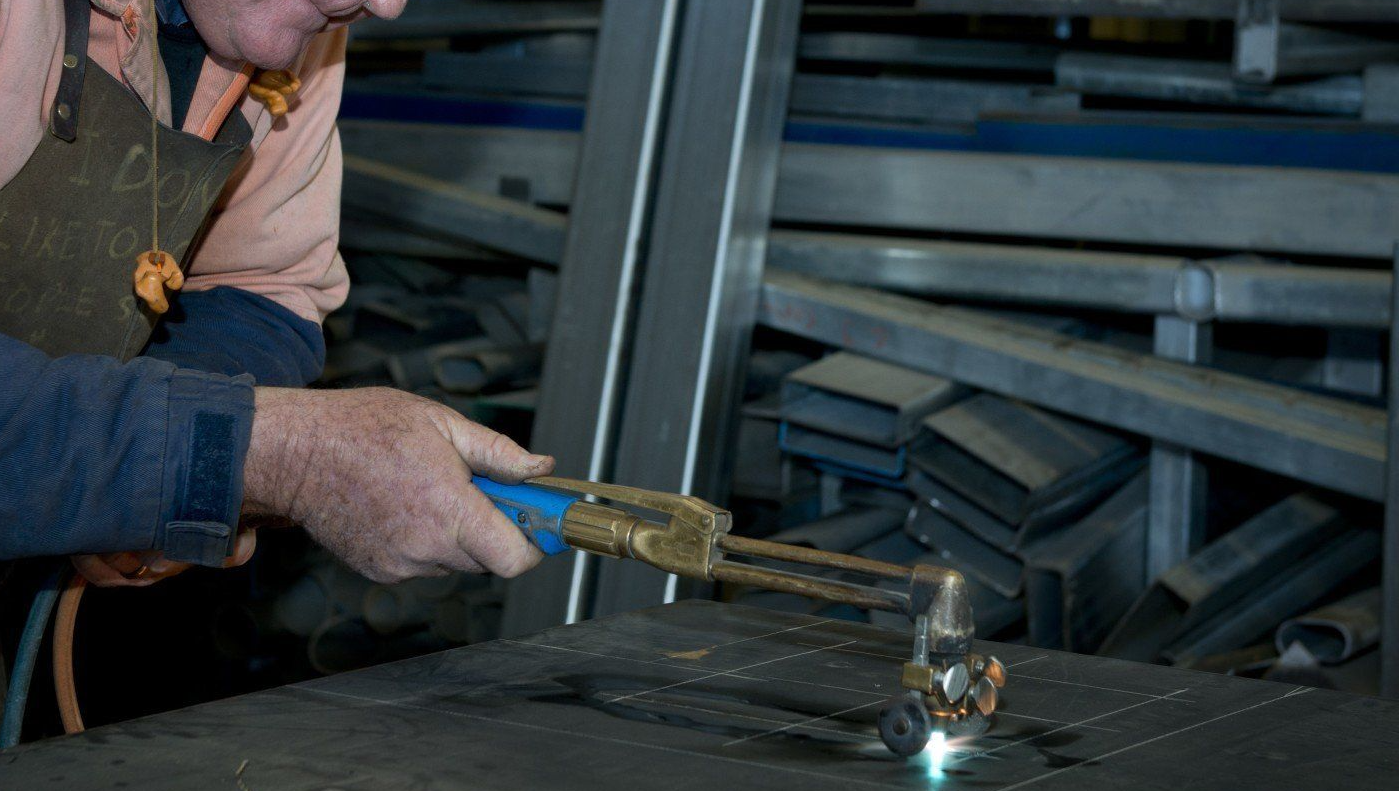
[975,480]
[857,415]
[994,476]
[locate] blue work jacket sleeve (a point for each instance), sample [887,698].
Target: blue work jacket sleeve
[231,331]
[100,456]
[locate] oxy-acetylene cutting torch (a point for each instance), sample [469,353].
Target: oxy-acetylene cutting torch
[946,687]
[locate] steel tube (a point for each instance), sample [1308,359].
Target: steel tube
[925,52]
[1190,205]
[1176,512]
[821,95]
[584,362]
[1338,631]
[1275,293]
[1270,292]
[1202,82]
[1319,10]
[450,211]
[1012,273]
[1222,290]
[1173,204]
[755,548]
[444,18]
[478,158]
[1325,441]
[703,265]
[862,596]
[1389,553]
[1289,589]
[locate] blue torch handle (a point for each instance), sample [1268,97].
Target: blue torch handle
[538,512]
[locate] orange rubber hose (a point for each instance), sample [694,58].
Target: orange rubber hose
[64,687]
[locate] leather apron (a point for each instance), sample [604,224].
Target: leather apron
[75,217]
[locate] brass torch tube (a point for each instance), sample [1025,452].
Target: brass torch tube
[755,548]
[862,596]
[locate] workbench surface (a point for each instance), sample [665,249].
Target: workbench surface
[712,697]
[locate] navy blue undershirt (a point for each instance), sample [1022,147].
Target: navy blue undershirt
[182,51]
[230,331]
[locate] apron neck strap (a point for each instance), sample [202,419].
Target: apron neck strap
[63,115]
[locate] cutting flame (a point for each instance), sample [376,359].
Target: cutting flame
[935,752]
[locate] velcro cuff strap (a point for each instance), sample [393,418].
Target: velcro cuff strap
[201,543]
[210,427]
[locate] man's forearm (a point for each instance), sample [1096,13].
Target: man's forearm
[100,456]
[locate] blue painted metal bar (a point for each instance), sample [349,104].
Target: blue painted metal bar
[1344,146]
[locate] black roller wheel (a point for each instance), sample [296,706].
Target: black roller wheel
[905,724]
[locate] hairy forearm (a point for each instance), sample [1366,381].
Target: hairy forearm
[270,476]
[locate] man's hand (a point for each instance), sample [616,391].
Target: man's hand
[382,478]
[139,569]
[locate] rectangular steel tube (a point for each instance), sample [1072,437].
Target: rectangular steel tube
[1079,582]
[444,18]
[1325,441]
[447,210]
[923,51]
[1389,554]
[1203,82]
[1128,282]
[820,95]
[580,386]
[1318,10]
[1227,570]
[863,399]
[474,157]
[1285,210]
[1176,515]
[1282,595]
[708,236]
[1171,204]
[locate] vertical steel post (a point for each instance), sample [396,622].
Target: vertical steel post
[1176,505]
[1389,556]
[704,265]
[1354,362]
[581,384]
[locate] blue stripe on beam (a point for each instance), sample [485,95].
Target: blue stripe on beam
[1374,150]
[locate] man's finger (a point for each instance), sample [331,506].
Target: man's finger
[103,575]
[125,563]
[243,548]
[495,455]
[491,538]
[444,545]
